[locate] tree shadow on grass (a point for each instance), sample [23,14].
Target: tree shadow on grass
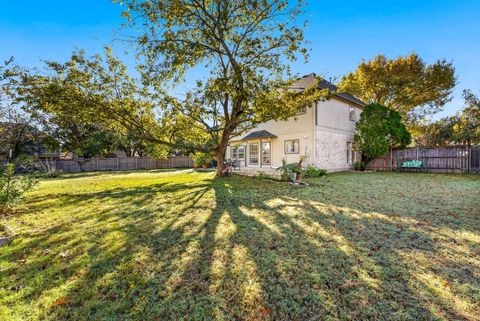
[232,248]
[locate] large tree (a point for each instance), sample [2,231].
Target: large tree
[405,84]
[242,47]
[462,128]
[467,129]
[91,105]
[379,129]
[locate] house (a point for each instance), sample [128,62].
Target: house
[321,133]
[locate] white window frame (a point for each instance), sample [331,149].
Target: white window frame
[266,156]
[235,152]
[350,153]
[257,154]
[351,113]
[302,111]
[291,140]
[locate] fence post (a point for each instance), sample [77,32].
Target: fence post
[469,158]
[136,162]
[391,159]
[96,164]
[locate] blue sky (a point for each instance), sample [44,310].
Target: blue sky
[342,33]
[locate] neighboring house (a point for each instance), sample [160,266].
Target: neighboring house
[322,133]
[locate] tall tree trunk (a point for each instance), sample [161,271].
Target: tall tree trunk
[222,169]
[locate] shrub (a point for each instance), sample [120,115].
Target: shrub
[201,158]
[359,166]
[13,187]
[286,170]
[312,172]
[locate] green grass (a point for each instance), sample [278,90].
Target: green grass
[172,245]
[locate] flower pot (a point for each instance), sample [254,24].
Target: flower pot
[195,166]
[204,166]
[299,178]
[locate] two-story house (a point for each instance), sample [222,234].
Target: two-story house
[322,133]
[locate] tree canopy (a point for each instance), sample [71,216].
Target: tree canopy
[243,47]
[379,129]
[462,128]
[76,102]
[406,84]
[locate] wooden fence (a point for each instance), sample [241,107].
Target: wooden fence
[445,159]
[117,164]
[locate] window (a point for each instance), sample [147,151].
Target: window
[237,152]
[302,111]
[241,152]
[253,153]
[292,146]
[350,153]
[351,113]
[266,156]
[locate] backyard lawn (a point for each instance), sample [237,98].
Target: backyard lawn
[173,245]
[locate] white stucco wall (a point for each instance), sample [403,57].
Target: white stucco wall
[300,127]
[323,141]
[333,131]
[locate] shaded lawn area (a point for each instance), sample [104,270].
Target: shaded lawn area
[159,245]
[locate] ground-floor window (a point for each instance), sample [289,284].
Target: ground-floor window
[253,153]
[350,153]
[266,153]
[292,146]
[237,152]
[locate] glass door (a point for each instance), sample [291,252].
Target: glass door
[266,153]
[253,154]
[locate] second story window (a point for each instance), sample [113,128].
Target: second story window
[302,111]
[351,113]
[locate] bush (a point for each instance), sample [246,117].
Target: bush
[359,166]
[286,170]
[312,172]
[202,159]
[13,187]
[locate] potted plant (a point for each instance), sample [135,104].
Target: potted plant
[201,160]
[297,170]
[292,171]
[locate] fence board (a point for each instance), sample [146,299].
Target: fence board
[111,164]
[445,159]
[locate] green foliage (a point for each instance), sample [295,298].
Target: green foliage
[89,104]
[405,84]
[360,166]
[245,48]
[13,187]
[379,129]
[313,172]
[287,169]
[200,158]
[462,128]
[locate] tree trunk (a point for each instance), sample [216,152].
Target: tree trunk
[222,169]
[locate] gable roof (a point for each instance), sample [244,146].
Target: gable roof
[259,134]
[306,80]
